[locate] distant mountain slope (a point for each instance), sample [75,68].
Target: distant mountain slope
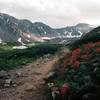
[93,35]
[11,30]
[23,31]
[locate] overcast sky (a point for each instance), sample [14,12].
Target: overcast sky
[55,13]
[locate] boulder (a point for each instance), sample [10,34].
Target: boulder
[18,74]
[49,77]
[3,74]
[6,85]
[14,85]
[8,81]
[96,64]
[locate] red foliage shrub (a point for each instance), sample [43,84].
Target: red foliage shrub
[65,62]
[76,64]
[65,89]
[78,54]
[97,50]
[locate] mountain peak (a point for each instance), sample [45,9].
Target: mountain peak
[82,24]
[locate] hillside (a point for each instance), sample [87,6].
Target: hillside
[79,69]
[92,36]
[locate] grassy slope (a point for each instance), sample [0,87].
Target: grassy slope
[15,58]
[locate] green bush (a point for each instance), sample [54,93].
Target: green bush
[14,58]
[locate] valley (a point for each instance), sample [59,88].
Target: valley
[38,62]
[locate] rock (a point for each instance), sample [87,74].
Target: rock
[90,96]
[95,69]
[96,64]
[50,74]
[18,74]
[29,88]
[14,85]
[6,85]
[96,60]
[8,81]
[3,74]
[2,82]
[37,64]
[20,98]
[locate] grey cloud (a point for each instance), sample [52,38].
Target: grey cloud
[56,14]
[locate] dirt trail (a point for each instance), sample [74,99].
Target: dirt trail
[30,80]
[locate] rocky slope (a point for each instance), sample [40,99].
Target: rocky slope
[24,31]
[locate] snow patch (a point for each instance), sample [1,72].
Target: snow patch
[40,27]
[40,40]
[27,40]
[20,40]
[29,36]
[19,47]
[7,20]
[45,32]
[46,38]
[0,40]
[63,41]
[80,33]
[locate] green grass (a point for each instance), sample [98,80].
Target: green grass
[10,59]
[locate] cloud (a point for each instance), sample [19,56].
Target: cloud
[56,13]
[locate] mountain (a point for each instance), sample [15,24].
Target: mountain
[92,36]
[71,33]
[24,31]
[75,31]
[11,30]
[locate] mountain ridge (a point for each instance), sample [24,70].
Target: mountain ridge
[23,30]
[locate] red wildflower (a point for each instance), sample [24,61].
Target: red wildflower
[89,45]
[76,64]
[97,50]
[65,62]
[97,43]
[65,89]
[70,62]
[76,51]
